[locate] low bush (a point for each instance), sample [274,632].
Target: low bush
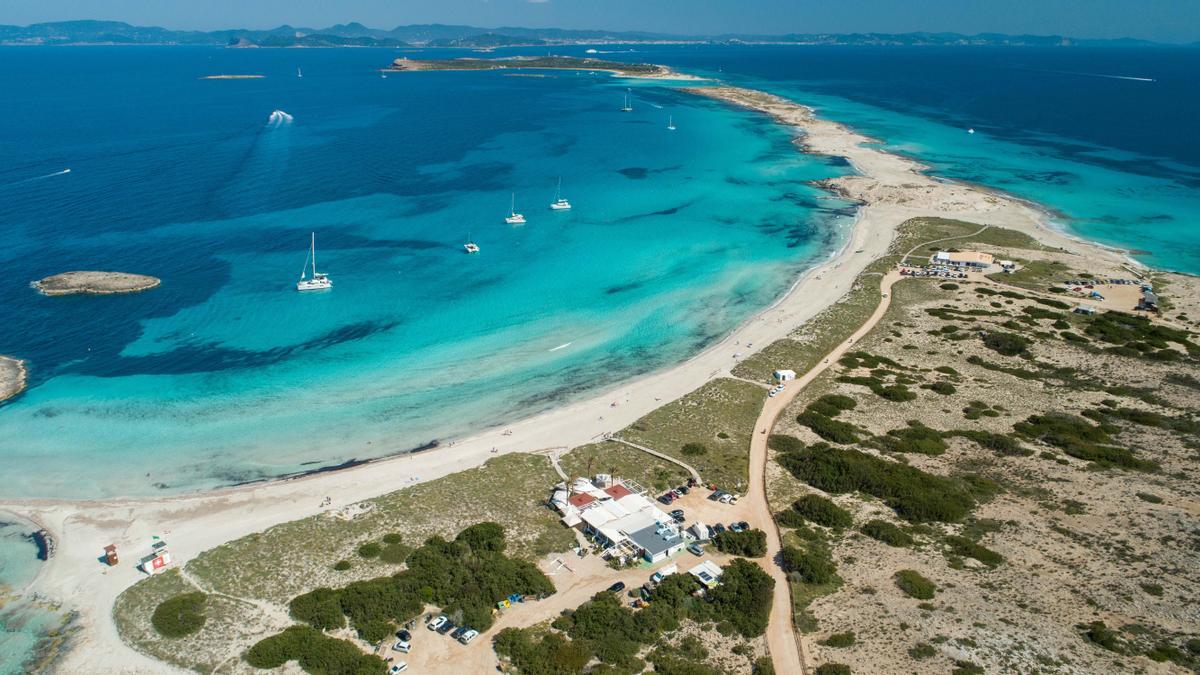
[748,543]
[318,608]
[943,388]
[915,438]
[828,428]
[823,511]
[1153,589]
[179,615]
[1147,497]
[915,585]
[1005,446]
[922,650]
[370,550]
[882,530]
[342,565]
[832,669]
[316,652]
[839,640]
[915,495]
[949,286]
[813,565]
[1081,440]
[694,449]
[964,547]
[832,405]
[1006,344]
[1101,635]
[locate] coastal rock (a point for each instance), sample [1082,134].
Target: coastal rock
[12,377]
[95,283]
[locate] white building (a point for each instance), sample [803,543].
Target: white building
[619,518]
[785,375]
[708,572]
[963,259]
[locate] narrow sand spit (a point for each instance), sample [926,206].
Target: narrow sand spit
[891,189]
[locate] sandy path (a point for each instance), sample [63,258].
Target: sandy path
[892,189]
[786,651]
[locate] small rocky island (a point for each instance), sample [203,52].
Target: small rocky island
[95,283]
[12,377]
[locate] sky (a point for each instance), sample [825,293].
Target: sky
[1159,20]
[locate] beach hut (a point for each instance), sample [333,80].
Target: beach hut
[110,555]
[784,375]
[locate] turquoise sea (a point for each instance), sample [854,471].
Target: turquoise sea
[225,374]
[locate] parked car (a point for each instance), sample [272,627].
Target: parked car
[692,481]
[447,627]
[726,499]
[466,637]
[617,587]
[404,635]
[403,646]
[679,518]
[398,667]
[438,623]
[682,488]
[744,525]
[695,549]
[736,527]
[716,495]
[676,513]
[458,632]
[717,528]
[666,499]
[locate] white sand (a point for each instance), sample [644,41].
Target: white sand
[893,190]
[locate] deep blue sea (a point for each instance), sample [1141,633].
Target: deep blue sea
[226,374]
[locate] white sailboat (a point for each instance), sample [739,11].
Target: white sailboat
[471,246]
[627,107]
[514,218]
[559,203]
[298,73]
[670,123]
[317,281]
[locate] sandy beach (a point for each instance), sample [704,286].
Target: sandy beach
[892,189]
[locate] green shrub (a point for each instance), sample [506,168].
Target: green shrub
[832,669]
[394,554]
[743,598]
[1007,344]
[823,511]
[915,438]
[914,585]
[839,640]
[1147,497]
[832,405]
[943,388]
[1002,445]
[1153,589]
[828,428]
[1079,439]
[762,666]
[318,608]
[179,615]
[370,550]
[317,653]
[915,495]
[882,530]
[949,286]
[1101,635]
[966,668]
[748,543]
[946,370]
[790,518]
[342,565]
[922,650]
[813,565]
[964,547]
[694,449]
[392,538]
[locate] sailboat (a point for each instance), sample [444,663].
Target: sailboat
[627,107]
[298,73]
[514,218]
[560,204]
[317,281]
[670,123]
[470,246]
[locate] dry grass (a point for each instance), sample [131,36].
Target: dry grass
[621,460]
[720,416]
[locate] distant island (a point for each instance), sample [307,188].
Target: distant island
[532,62]
[12,377]
[470,37]
[95,283]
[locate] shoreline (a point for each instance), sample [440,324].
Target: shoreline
[14,377]
[94,283]
[890,189]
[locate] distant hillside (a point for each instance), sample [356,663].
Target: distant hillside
[440,35]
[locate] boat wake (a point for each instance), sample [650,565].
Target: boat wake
[562,346]
[278,118]
[30,180]
[1104,75]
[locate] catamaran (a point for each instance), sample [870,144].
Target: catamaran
[514,218]
[627,107]
[670,123]
[317,281]
[470,246]
[560,204]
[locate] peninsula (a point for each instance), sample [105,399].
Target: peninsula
[405,64]
[12,377]
[95,283]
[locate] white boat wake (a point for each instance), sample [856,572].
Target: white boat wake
[1104,75]
[278,118]
[562,346]
[30,180]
